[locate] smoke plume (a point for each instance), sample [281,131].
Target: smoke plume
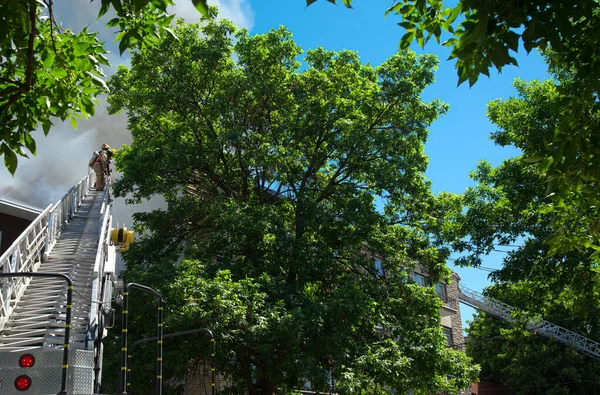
[63,155]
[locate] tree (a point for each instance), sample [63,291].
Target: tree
[485,34]
[47,71]
[282,183]
[508,210]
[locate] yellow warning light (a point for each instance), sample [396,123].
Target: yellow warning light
[121,237]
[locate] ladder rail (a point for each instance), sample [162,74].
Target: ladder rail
[540,326]
[65,208]
[102,265]
[35,244]
[24,255]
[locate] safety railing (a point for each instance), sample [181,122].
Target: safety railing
[34,245]
[64,210]
[104,264]
[24,255]
[537,325]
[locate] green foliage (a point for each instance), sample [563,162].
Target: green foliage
[509,210]
[48,72]
[485,34]
[281,183]
[530,122]
[44,73]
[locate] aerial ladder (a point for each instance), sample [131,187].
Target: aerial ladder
[52,323]
[539,326]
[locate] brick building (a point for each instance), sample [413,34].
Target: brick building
[15,217]
[450,313]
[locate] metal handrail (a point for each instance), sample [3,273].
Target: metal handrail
[538,325]
[167,336]
[159,336]
[35,244]
[97,296]
[24,255]
[69,307]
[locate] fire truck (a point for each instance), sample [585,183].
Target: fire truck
[57,282]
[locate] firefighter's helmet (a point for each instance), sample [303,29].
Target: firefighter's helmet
[105,146]
[110,152]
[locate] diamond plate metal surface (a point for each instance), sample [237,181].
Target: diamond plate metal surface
[46,374]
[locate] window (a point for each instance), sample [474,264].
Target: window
[378,267]
[448,333]
[440,289]
[420,279]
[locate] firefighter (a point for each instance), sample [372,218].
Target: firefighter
[101,166]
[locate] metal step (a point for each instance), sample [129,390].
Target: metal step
[39,316]
[23,341]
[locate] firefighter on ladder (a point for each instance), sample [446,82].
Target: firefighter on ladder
[100,164]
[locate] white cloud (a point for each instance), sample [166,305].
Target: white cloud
[239,11]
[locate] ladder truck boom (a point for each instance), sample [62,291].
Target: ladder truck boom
[40,351]
[542,327]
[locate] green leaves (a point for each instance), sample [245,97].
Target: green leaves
[542,221]
[201,6]
[272,170]
[534,159]
[58,73]
[10,158]
[347,3]
[61,81]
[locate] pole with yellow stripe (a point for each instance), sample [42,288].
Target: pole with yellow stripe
[124,355]
[124,313]
[212,362]
[159,348]
[65,362]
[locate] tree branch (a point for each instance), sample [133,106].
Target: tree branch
[30,59]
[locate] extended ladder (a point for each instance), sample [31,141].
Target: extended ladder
[71,238]
[504,311]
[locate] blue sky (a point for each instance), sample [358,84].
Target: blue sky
[457,141]
[460,138]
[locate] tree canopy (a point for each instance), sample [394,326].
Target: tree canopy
[284,180]
[509,210]
[485,34]
[48,71]
[507,207]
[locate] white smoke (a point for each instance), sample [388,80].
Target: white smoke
[62,158]
[63,155]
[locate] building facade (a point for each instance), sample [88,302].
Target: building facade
[15,217]
[450,313]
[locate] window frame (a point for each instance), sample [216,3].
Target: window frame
[420,279]
[379,271]
[449,336]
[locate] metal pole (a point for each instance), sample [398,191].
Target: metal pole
[212,363]
[159,347]
[123,381]
[65,363]
[190,331]
[124,356]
